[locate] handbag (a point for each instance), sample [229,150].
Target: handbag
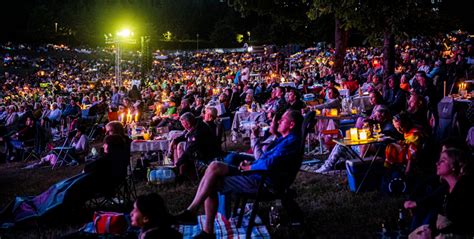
[110,223]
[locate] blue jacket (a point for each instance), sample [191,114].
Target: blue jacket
[284,157]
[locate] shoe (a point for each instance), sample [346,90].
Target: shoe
[186,218]
[205,235]
[323,169]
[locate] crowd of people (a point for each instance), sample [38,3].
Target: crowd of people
[193,92]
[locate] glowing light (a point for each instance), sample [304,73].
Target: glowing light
[125,33]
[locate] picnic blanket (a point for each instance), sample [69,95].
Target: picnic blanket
[223,228]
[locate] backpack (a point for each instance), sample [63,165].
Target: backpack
[110,223]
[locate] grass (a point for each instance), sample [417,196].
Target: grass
[331,210]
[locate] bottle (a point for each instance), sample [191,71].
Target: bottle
[254,107]
[384,232]
[401,223]
[275,214]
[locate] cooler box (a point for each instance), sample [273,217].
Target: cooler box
[356,170]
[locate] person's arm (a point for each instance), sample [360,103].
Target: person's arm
[255,143]
[269,158]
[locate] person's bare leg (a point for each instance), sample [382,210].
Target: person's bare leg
[210,207]
[209,183]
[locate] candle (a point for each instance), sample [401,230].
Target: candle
[122,119]
[354,111]
[333,112]
[136,117]
[363,135]
[318,112]
[354,134]
[444,88]
[129,117]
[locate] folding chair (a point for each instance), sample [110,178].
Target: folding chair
[63,153]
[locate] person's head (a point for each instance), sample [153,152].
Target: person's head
[415,103]
[114,128]
[274,124]
[421,77]
[375,98]
[29,121]
[185,103]
[375,79]
[149,211]
[333,93]
[113,143]
[54,106]
[451,162]
[188,121]
[248,98]
[393,82]
[223,97]
[80,130]
[210,114]
[72,101]
[279,92]
[402,122]
[382,114]
[293,95]
[199,101]
[290,122]
[405,79]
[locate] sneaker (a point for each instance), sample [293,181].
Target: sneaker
[323,169]
[186,218]
[205,235]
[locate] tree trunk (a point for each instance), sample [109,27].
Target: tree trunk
[341,39]
[389,52]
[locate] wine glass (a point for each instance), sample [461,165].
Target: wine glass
[377,130]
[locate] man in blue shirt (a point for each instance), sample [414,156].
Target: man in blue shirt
[285,156]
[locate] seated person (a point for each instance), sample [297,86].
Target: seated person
[394,97]
[198,107]
[24,137]
[250,104]
[279,103]
[210,118]
[404,153]
[196,147]
[451,201]
[54,115]
[172,122]
[101,176]
[376,100]
[282,158]
[151,215]
[294,101]
[80,145]
[382,117]
[257,145]
[333,102]
[72,110]
[110,169]
[418,111]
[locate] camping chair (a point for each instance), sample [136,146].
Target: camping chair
[122,196]
[265,194]
[447,119]
[25,147]
[63,153]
